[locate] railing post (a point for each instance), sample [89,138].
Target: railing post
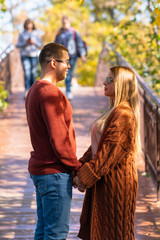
[158,153]
[145,137]
[5,73]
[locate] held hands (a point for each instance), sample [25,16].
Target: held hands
[78,184]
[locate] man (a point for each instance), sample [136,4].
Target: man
[49,116]
[68,37]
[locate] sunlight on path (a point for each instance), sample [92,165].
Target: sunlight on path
[17,194]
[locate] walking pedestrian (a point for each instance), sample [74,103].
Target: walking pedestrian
[109,170]
[71,39]
[29,42]
[49,116]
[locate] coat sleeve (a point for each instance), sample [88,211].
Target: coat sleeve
[80,44]
[116,144]
[56,39]
[21,41]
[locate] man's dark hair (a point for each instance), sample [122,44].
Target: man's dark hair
[50,51]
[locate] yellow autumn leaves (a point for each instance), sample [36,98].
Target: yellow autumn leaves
[81,1]
[157,12]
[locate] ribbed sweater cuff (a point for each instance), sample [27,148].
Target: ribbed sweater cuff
[87,176]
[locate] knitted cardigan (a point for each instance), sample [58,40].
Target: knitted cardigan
[111,180]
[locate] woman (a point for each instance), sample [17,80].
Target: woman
[29,41]
[109,169]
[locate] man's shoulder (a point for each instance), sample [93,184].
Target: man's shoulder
[48,88]
[44,87]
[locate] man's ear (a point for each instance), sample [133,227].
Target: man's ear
[53,63]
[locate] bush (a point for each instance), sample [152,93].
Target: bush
[3,98]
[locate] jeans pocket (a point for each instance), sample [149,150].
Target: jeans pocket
[42,186]
[40,182]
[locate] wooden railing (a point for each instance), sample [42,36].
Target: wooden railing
[5,74]
[150,111]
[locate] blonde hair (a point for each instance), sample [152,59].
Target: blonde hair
[126,90]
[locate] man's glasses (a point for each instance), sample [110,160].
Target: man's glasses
[63,61]
[109,80]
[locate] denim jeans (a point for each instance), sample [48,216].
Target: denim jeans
[72,62]
[53,196]
[30,70]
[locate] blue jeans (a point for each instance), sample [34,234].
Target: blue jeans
[53,196]
[72,62]
[30,70]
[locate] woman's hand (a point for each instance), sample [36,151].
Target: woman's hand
[29,41]
[78,184]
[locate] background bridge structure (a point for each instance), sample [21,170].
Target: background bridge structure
[17,195]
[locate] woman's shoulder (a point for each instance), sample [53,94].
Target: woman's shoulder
[36,32]
[123,113]
[123,109]
[23,32]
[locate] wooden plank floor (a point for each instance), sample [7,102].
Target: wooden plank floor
[17,195]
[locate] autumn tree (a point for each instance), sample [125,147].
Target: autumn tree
[131,26]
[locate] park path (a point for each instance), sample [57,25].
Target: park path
[17,195]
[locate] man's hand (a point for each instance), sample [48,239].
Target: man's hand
[78,184]
[83,58]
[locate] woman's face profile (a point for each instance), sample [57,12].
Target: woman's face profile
[109,89]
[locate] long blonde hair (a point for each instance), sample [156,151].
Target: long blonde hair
[126,90]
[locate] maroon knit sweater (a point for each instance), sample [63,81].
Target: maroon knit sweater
[49,117]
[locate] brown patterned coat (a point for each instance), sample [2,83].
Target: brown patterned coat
[111,180]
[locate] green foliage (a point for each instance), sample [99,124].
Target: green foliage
[3,98]
[2,6]
[134,38]
[93,34]
[120,22]
[157,12]
[138,44]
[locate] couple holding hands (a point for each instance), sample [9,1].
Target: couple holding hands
[107,170]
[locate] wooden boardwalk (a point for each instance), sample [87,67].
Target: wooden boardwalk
[17,194]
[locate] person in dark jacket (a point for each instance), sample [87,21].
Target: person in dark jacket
[70,38]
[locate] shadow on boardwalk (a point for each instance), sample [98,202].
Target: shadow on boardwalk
[17,195]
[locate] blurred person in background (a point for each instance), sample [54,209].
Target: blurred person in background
[29,42]
[70,38]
